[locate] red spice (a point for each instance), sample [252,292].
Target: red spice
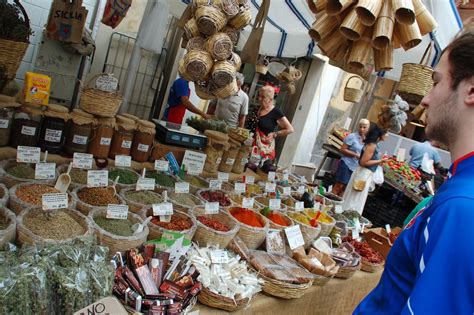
[176,223]
[247,217]
[216,196]
[213,224]
[365,251]
[392,237]
[277,219]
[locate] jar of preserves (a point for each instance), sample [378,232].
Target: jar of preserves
[228,157]
[217,143]
[26,126]
[99,146]
[143,140]
[123,137]
[79,131]
[53,128]
[7,111]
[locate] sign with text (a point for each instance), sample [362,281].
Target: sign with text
[181,187]
[223,177]
[211,207]
[82,160]
[247,202]
[215,184]
[117,212]
[54,201]
[165,208]
[123,160]
[270,187]
[162,165]
[145,184]
[194,161]
[97,178]
[26,154]
[45,171]
[239,188]
[294,236]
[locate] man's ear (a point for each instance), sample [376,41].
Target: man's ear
[469,100]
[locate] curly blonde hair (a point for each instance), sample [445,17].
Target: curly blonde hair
[267,92]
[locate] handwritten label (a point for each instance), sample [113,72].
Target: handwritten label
[244,161]
[77,139]
[162,165]
[274,204]
[165,208]
[239,188]
[219,256]
[97,178]
[143,147]
[286,191]
[247,202]
[45,171]
[126,144]
[223,177]
[26,154]
[270,187]
[28,131]
[123,160]
[401,153]
[294,236]
[106,141]
[299,206]
[82,160]
[317,206]
[106,83]
[108,305]
[53,135]
[54,201]
[271,176]
[230,161]
[193,172]
[300,190]
[215,184]
[4,123]
[194,161]
[211,207]
[355,234]
[286,176]
[249,179]
[117,212]
[338,209]
[181,187]
[145,184]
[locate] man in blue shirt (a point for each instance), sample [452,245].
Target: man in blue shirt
[418,150]
[430,268]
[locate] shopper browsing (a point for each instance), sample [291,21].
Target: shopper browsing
[418,150]
[429,269]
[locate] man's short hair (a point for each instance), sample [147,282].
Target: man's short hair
[461,60]
[240,77]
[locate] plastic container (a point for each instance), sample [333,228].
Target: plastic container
[143,140]
[229,156]
[53,128]
[79,131]
[26,126]
[123,137]
[7,112]
[101,140]
[217,143]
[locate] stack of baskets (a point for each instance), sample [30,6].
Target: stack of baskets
[210,35]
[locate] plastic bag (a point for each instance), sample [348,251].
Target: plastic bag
[378,176]
[427,165]
[361,175]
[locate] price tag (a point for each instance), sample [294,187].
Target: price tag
[239,188]
[248,202]
[165,208]
[97,178]
[387,227]
[194,161]
[270,187]
[162,165]
[181,187]
[212,207]
[82,160]
[4,123]
[244,161]
[54,201]
[300,190]
[53,135]
[330,188]
[274,204]
[230,161]
[357,224]
[219,256]
[145,184]
[286,191]
[28,131]
[117,212]
[286,176]
[299,206]
[338,209]
[303,179]
[223,177]
[77,139]
[249,180]
[126,144]
[45,171]
[215,184]
[355,234]
[106,141]
[26,154]
[193,172]
[317,206]
[271,176]
[401,153]
[143,147]
[106,83]
[294,236]
[123,160]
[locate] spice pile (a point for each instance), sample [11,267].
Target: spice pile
[248,217]
[195,181]
[365,251]
[115,226]
[21,170]
[32,194]
[302,218]
[143,196]
[183,199]
[176,223]
[126,177]
[275,217]
[97,196]
[216,196]
[78,176]
[213,224]
[161,179]
[57,225]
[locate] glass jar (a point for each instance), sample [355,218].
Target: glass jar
[53,128]
[143,140]
[79,131]
[26,126]
[228,157]
[7,112]
[99,146]
[217,143]
[123,137]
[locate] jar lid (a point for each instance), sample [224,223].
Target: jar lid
[8,101]
[57,108]
[130,116]
[57,111]
[32,110]
[216,135]
[125,123]
[80,117]
[146,126]
[106,122]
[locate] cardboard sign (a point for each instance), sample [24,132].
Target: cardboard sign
[123,160]
[106,83]
[401,153]
[117,212]
[194,161]
[286,191]
[274,204]
[26,154]
[294,236]
[54,201]
[82,160]
[107,305]
[66,21]
[45,171]
[97,178]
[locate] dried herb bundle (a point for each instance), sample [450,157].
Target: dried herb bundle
[12,22]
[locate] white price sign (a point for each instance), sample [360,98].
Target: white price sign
[299,206]
[274,204]
[211,207]
[286,191]
[123,160]
[338,209]
[26,154]
[317,206]
[165,208]
[106,83]
[270,187]
[145,184]
[181,187]
[223,177]
[97,178]
[194,161]
[45,171]
[300,190]
[271,176]
[249,179]
[82,160]
[117,212]
[219,256]
[215,184]
[54,201]
[162,165]
[294,236]
[387,228]
[355,234]
[239,188]
[286,176]
[247,202]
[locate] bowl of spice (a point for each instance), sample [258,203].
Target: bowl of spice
[213,229]
[178,222]
[219,196]
[30,194]
[310,228]
[195,183]
[278,220]
[3,195]
[117,234]
[264,201]
[15,173]
[184,202]
[137,200]
[7,226]
[253,226]
[237,199]
[128,178]
[162,179]
[78,176]
[89,198]
[326,221]
[35,226]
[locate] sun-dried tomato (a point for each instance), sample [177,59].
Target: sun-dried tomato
[213,224]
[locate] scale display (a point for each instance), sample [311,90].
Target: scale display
[181,135]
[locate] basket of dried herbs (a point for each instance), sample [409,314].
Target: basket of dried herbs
[3,195]
[89,198]
[13,173]
[137,200]
[184,202]
[128,178]
[163,180]
[78,176]
[7,226]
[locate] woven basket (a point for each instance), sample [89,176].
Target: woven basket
[219,46]
[226,91]
[334,46]
[11,55]
[352,94]
[10,180]
[197,64]
[278,227]
[323,27]
[119,185]
[135,207]
[261,202]
[156,231]
[191,30]
[347,272]
[229,7]
[233,34]
[425,20]
[8,234]
[182,71]
[210,19]
[206,236]
[26,236]
[368,11]
[199,195]
[117,243]
[100,103]
[181,207]
[203,92]
[383,59]
[86,208]
[253,237]
[326,228]
[214,300]
[334,7]
[262,69]
[235,60]
[4,197]
[404,11]
[360,52]
[192,188]
[370,267]
[196,43]
[284,290]
[383,29]
[242,19]
[223,73]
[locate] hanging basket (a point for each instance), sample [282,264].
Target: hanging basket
[425,20]
[409,35]
[229,7]
[236,61]
[226,91]
[262,69]
[190,29]
[242,19]
[233,34]
[98,102]
[196,43]
[404,11]
[219,46]
[368,11]
[352,94]
[383,29]
[223,73]
[210,19]
[203,91]
[197,64]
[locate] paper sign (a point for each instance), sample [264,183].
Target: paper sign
[317,206]
[274,204]
[123,160]
[165,208]
[271,176]
[106,83]
[401,153]
[193,172]
[249,179]
[54,201]
[181,187]
[270,187]
[299,206]
[82,160]
[247,202]
[162,165]
[26,154]
[338,209]
[215,184]
[194,161]
[275,237]
[145,184]
[212,207]
[330,188]
[286,176]
[223,177]
[97,178]
[355,234]
[45,171]
[347,123]
[286,191]
[219,256]
[230,161]
[106,141]
[126,144]
[117,212]
[294,236]
[239,188]
[387,227]
[300,190]
[108,305]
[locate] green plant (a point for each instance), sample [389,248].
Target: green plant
[12,22]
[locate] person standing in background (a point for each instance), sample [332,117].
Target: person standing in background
[418,150]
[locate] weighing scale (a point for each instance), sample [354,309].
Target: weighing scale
[181,135]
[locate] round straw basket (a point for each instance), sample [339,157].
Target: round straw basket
[219,46]
[100,103]
[214,300]
[370,267]
[334,46]
[203,92]
[409,35]
[323,26]
[233,34]
[383,59]
[226,91]
[351,27]
[279,227]
[195,4]
[200,192]
[156,231]
[86,208]
[242,19]
[119,185]
[262,69]
[235,60]
[196,43]
[368,11]
[190,29]
[182,71]
[25,236]
[206,236]
[284,290]
[10,180]
[334,7]
[204,183]
[210,19]
[183,207]
[223,73]
[197,64]
[425,20]
[253,237]
[229,7]
[352,94]
[404,11]
[383,30]
[11,55]
[3,195]
[326,228]
[136,207]
[309,233]
[8,234]
[360,53]
[117,243]
[347,272]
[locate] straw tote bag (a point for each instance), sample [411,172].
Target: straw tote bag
[252,46]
